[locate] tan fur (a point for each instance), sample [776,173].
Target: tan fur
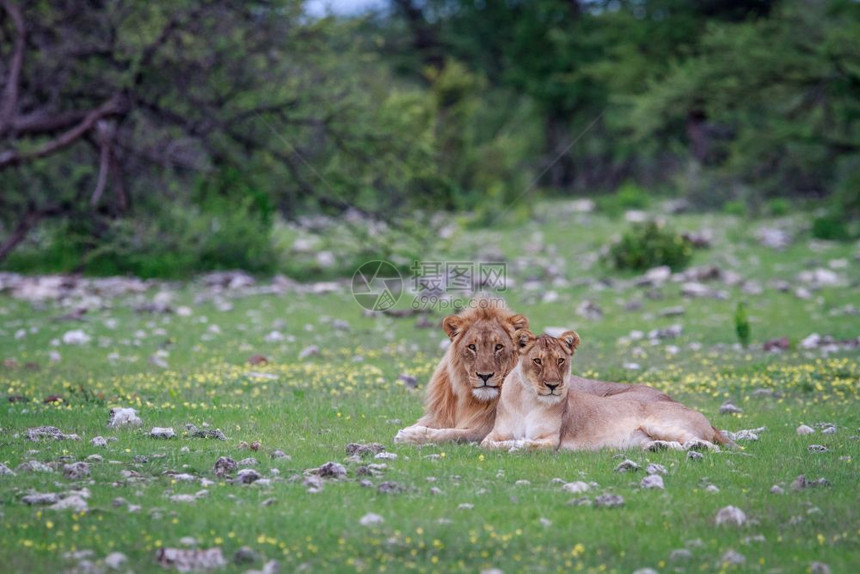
[539,408]
[460,406]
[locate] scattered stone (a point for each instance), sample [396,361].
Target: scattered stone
[310,351]
[680,555]
[116,560]
[360,449]
[523,482]
[652,481]
[435,491]
[746,434]
[589,310]
[76,471]
[76,337]
[576,487]
[162,433]
[777,345]
[34,466]
[670,332]
[6,471]
[773,238]
[672,312]
[195,432]
[270,567]
[74,502]
[190,560]
[608,501]
[37,433]
[817,448]
[465,506]
[696,290]
[269,502]
[729,408]
[645,571]
[140,459]
[386,456]
[733,558]
[247,476]
[804,430]
[694,455]
[123,417]
[409,381]
[225,466]
[712,488]
[183,498]
[819,568]
[390,487]
[802,482]
[99,441]
[627,465]
[38,498]
[250,461]
[731,516]
[313,483]
[329,470]
[279,454]
[777,489]
[245,555]
[654,468]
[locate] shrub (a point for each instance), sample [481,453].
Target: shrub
[650,245]
[629,196]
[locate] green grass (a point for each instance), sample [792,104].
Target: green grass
[312,408]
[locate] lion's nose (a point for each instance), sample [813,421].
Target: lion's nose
[485,376]
[552,387]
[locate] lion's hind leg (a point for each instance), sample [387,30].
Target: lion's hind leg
[668,435]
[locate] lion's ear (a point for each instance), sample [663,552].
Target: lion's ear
[570,341]
[523,339]
[452,325]
[519,322]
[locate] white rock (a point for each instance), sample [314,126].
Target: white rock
[274,337]
[123,417]
[804,430]
[371,519]
[576,487]
[652,481]
[115,560]
[166,433]
[76,337]
[731,515]
[99,441]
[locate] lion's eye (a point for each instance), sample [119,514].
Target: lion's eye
[537,361]
[499,346]
[561,361]
[472,347]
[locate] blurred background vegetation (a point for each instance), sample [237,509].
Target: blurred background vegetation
[170,137]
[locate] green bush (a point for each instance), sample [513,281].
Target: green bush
[650,245]
[778,207]
[831,226]
[629,196]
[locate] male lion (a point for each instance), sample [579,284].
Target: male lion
[539,409]
[460,405]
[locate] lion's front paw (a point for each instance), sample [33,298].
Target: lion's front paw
[416,434]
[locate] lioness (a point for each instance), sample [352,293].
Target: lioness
[539,409]
[460,405]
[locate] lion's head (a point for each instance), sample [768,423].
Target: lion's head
[545,362]
[482,347]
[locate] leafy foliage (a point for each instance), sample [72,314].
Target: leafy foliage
[650,245]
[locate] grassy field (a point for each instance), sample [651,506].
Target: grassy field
[453,507]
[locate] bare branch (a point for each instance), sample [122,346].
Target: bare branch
[10,93]
[114,106]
